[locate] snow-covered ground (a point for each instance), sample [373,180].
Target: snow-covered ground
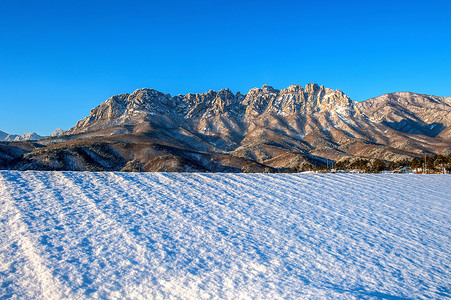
[233,236]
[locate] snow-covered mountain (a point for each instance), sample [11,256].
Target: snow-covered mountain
[17,138]
[220,113]
[265,128]
[315,119]
[295,110]
[28,136]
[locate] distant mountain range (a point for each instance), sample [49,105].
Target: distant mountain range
[27,136]
[265,129]
[24,137]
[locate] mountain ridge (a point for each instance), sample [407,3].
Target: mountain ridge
[27,136]
[265,128]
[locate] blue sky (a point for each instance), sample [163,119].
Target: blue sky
[59,59]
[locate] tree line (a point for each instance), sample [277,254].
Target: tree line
[426,164]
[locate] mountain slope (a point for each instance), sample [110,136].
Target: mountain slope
[3,135]
[411,113]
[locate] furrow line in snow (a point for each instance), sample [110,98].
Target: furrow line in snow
[392,206]
[188,237]
[378,199]
[167,199]
[329,183]
[264,238]
[88,196]
[330,211]
[104,238]
[256,226]
[276,213]
[184,235]
[395,213]
[400,183]
[420,252]
[423,184]
[211,185]
[339,241]
[408,240]
[38,280]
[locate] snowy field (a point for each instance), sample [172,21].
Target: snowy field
[229,236]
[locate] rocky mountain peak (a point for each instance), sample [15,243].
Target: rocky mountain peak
[57,132]
[312,88]
[149,99]
[268,89]
[330,99]
[294,88]
[258,99]
[265,89]
[225,93]
[225,99]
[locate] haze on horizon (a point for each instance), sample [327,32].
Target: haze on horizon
[59,60]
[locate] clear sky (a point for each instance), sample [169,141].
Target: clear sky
[59,59]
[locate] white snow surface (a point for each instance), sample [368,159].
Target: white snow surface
[81,235]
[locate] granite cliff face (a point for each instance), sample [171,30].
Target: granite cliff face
[265,128]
